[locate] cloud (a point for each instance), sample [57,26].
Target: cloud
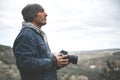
[71,24]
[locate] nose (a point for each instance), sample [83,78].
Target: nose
[46,14]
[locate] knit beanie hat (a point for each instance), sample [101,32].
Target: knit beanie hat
[30,11]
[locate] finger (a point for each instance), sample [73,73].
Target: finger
[59,54]
[65,56]
[64,63]
[64,60]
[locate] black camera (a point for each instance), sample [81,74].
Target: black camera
[72,58]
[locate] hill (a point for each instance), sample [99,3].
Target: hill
[90,63]
[8,70]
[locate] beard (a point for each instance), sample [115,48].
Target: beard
[40,24]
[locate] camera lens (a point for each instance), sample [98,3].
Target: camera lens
[73,59]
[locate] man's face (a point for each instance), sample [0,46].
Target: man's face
[40,18]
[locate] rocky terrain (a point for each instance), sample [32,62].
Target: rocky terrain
[8,70]
[90,65]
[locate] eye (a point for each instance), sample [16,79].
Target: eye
[41,10]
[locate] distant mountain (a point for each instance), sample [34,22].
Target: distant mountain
[96,51]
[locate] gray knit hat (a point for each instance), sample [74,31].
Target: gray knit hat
[30,11]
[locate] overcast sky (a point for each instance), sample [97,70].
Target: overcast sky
[72,25]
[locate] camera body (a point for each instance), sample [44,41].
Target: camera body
[72,58]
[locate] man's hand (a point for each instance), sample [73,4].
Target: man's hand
[62,60]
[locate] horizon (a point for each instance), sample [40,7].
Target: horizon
[77,50]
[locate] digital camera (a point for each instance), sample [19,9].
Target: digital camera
[72,58]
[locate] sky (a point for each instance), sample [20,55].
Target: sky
[72,25]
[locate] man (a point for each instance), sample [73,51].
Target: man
[33,56]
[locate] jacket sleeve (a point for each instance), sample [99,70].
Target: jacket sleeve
[25,52]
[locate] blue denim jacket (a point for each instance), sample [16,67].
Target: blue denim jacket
[33,57]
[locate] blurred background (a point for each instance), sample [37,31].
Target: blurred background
[72,25]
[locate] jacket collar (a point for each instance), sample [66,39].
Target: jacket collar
[29,24]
